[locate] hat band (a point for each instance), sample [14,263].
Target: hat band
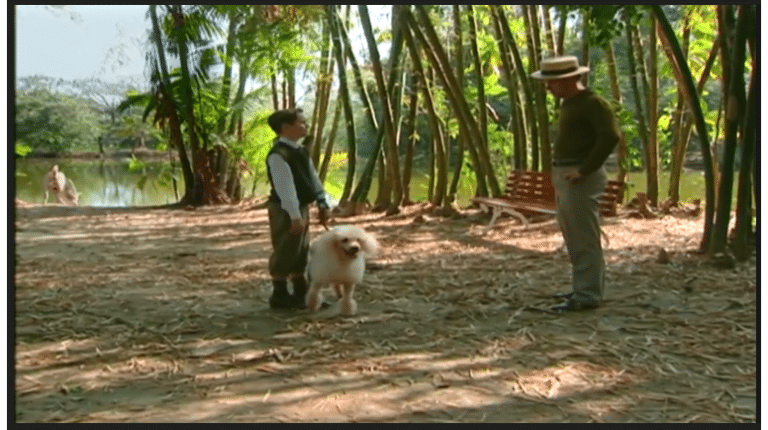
[559,72]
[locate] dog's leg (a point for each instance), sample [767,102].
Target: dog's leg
[46,187]
[71,192]
[313,298]
[347,304]
[337,287]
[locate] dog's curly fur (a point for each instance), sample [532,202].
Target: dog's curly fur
[337,257]
[62,188]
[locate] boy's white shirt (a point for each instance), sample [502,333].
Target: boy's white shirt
[282,180]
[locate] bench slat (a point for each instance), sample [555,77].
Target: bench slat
[533,192]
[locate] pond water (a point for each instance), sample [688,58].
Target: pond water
[113,183]
[100,182]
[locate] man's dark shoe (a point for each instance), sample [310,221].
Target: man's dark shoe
[573,305]
[562,295]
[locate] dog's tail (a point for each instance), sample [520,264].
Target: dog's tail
[370,245]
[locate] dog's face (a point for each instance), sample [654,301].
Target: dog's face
[347,245]
[53,179]
[352,242]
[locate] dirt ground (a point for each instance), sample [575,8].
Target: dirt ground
[160,315]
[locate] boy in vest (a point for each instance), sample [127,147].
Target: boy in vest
[295,185]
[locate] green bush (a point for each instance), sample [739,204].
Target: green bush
[47,121]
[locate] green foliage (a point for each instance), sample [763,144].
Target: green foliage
[500,149]
[664,138]
[628,124]
[55,122]
[490,85]
[135,164]
[605,23]
[266,45]
[152,175]
[22,150]
[259,138]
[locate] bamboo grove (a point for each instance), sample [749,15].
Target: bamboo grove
[452,83]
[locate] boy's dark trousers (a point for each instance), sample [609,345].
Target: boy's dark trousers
[289,256]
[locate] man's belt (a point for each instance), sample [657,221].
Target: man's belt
[567,162]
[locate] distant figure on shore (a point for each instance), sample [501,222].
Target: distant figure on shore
[63,189]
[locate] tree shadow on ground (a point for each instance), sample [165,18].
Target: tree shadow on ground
[162,316]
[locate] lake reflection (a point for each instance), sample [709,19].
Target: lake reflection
[112,183]
[101,182]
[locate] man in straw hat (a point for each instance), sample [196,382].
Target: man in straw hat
[587,132]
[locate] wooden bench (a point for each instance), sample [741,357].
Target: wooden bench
[528,193]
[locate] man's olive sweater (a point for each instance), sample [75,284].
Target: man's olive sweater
[587,130]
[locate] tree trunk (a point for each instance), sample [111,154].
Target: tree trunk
[545,146]
[585,16]
[433,49]
[331,139]
[284,91]
[410,135]
[735,41]
[519,154]
[206,188]
[642,76]
[633,73]
[170,106]
[459,62]
[291,83]
[314,139]
[529,117]
[226,81]
[684,135]
[536,101]
[440,164]
[362,189]
[397,94]
[456,96]
[692,97]
[275,98]
[561,30]
[613,79]
[652,178]
[743,229]
[364,96]
[346,103]
[678,128]
[481,100]
[389,124]
[237,111]
[651,161]
[549,34]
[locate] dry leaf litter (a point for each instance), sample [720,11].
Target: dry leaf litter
[158,315]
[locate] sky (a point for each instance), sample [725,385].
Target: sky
[81,42]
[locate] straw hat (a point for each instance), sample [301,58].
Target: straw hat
[559,67]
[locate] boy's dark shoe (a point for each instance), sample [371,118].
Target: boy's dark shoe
[280,298]
[300,288]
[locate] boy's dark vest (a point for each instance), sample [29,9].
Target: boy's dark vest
[298,161]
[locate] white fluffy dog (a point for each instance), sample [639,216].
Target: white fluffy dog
[62,188]
[337,257]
